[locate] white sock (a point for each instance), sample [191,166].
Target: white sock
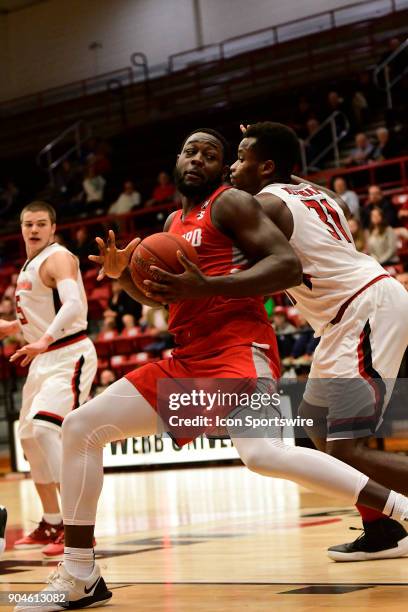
[52,519]
[396,506]
[79,562]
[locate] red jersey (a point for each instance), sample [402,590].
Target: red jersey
[218,338]
[237,320]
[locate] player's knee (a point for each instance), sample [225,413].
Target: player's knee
[251,459]
[72,428]
[79,429]
[268,457]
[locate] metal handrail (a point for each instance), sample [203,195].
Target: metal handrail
[335,139]
[383,67]
[81,132]
[219,48]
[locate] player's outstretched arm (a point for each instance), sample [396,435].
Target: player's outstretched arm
[114,264]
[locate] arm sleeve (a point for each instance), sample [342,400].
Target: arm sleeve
[68,291]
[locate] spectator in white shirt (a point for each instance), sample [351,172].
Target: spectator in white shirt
[350,197]
[362,151]
[94,186]
[127,200]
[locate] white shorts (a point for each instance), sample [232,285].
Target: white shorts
[357,361]
[58,381]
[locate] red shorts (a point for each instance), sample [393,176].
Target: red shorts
[196,366]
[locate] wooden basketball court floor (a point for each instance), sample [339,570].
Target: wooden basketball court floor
[220,539]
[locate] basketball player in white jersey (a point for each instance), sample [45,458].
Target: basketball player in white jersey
[122,410]
[357,309]
[51,309]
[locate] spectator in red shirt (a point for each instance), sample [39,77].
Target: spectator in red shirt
[164,191]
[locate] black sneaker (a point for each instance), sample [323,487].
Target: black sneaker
[381,539]
[76,593]
[3,521]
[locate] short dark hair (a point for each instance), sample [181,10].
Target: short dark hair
[37,206]
[225,146]
[277,142]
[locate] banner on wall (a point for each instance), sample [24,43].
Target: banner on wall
[161,450]
[150,450]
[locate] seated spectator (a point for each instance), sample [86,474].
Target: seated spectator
[280,322]
[96,153]
[94,187]
[382,241]
[361,152]
[349,197]
[358,234]
[359,108]
[314,144]
[7,310]
[304,341]
[336,103]
[68,181]
[376,199]
[284,332]
[9,196]
[120,303]
[106,378]
[108,328]
[128,199]
[302,114]
[164,191]
[83,246]
[385,148]
[154,322]
[129,325]
[10,291]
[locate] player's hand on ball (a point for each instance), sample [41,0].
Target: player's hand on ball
[113,261]
[191,284]
[29,351]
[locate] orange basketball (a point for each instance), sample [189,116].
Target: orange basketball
[159,250]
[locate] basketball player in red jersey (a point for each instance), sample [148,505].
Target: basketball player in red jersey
[356,308]
[224,335]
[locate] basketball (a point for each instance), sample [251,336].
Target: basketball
[159,250]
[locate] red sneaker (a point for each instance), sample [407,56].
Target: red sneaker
[55,550]
[41,536]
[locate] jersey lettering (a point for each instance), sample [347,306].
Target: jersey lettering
[19,311]
[329,216]
[194,237]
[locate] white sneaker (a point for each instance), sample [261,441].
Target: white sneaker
[89,593]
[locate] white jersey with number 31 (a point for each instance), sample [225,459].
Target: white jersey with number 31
[333,269]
